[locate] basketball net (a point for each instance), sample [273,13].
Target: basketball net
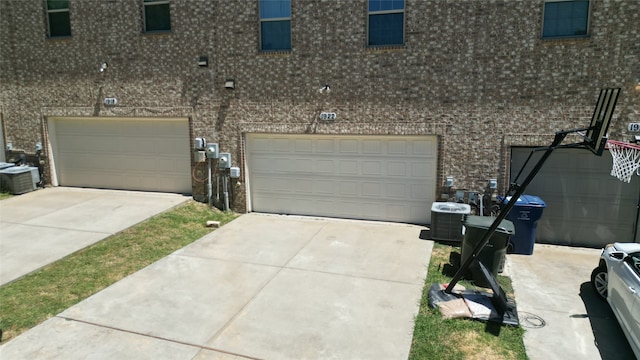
[626,159]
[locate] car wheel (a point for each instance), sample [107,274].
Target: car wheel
[599,281]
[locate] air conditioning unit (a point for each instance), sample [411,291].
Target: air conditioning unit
[4,165]
[20,179]
[446,220]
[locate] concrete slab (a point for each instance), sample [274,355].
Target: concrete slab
[313,315]
[560,312]
[234,294]
[364,249]
[43,226]
[25,248]
[179,298]
[257,239]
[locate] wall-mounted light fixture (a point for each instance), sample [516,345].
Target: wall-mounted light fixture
[9,146]
[203,61]
[449,181]
[325,88]
[638,86]
[103,67]
[229,84]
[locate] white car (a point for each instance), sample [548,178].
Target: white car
[617,279]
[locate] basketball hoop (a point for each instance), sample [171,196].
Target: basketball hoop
[626,159]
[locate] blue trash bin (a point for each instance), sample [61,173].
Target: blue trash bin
[524,215]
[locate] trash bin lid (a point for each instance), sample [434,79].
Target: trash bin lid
[451,207]
[484,222]
[524,200]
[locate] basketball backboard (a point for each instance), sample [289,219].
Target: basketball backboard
[597,131]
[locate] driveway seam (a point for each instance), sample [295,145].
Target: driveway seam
[57,227]
[201,347]
[421,283]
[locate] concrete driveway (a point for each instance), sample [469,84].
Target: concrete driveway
[561,313]
[43,226]
[263,286]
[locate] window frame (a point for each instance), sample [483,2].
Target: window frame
[555,37]
[633,260]
[387,12]
[149,3]
[57,11]
[262,20]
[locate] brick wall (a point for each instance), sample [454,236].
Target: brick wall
[475,73]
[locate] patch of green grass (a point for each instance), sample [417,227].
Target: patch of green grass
[5,194]
[47,292]
[437,338]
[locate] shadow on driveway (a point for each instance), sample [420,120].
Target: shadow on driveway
[609,338]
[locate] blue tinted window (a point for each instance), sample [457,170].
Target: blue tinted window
[386,22]
[58,16]
[275,25]
[157,15]
[385,5]
[270,9]
[276,35]
[386,29]
[565,18]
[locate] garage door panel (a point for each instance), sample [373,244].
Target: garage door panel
[348,146]
[364,177]
[395,168]
[373,168]
[348,167]
[586,206]
[303,145]
[370,189]
[398,147]
[131,154]
[325,146]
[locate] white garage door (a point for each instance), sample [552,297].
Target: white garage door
[585,205]
[389,178]
[131,154]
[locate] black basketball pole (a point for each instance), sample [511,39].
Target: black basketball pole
[560,136]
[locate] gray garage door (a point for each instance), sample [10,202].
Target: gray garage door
[389,178]
[585,205]
[151,154]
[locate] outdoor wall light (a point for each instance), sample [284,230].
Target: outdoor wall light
[203,61]
[103,67]
[325,88]
[229,84]
[448,182]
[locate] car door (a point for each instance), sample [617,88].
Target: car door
[633,260]
[621,297]
[627,289]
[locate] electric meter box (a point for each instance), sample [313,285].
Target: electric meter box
[224,161]
[212,151]
[199,156]
[199,143]
[234,172]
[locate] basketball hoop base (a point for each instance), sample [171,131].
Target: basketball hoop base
[626,159]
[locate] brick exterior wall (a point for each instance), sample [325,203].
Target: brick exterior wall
[475,73]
